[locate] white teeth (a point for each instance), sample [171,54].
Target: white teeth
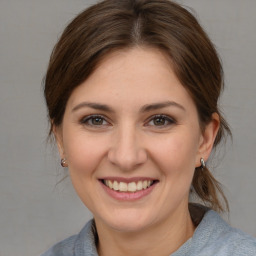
[128,187]
[110,184]
[115,185]
[123,186]
[139,185]
[144,184]
[132,187]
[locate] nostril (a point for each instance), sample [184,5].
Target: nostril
[127,158]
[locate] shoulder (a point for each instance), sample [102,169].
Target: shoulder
[80,244]
[218,238]
[63,248]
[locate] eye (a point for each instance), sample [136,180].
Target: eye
[160,121]
[94,120]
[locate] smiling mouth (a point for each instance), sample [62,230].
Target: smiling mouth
[131,187]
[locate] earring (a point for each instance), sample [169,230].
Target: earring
[63,162]
[203,165]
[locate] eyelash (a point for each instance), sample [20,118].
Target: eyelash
[89,119]
[166,118]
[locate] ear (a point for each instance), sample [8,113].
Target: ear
[207,139]
[57,131]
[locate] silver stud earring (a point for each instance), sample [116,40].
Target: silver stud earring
[203,165]
[63,162]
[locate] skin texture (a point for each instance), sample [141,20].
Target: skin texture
[126,140]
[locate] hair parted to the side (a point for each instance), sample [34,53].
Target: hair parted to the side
[113,25]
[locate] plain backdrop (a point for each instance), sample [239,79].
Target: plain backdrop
[35,212]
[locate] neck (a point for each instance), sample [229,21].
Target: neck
[160,239]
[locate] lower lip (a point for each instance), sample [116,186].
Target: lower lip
[128,196]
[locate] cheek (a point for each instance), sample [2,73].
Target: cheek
[83,152]
[176,154]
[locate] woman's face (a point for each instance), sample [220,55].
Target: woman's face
[132,140]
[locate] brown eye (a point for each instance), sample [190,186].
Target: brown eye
[159,121]
[94,120]
[97,121]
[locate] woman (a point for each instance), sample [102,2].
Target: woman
[132,92]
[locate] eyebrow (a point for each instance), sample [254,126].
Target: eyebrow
[92,105]
[145,108]
[160,105]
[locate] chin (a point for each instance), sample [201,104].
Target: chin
[129,227]
[128,221]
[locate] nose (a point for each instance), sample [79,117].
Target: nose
[127,151]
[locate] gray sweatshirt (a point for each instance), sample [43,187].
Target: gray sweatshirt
[212,237]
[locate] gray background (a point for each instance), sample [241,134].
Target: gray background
[35,212]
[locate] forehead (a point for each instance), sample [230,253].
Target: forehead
[145,56]
[132,75]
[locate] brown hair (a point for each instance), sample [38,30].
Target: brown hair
[117,24]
